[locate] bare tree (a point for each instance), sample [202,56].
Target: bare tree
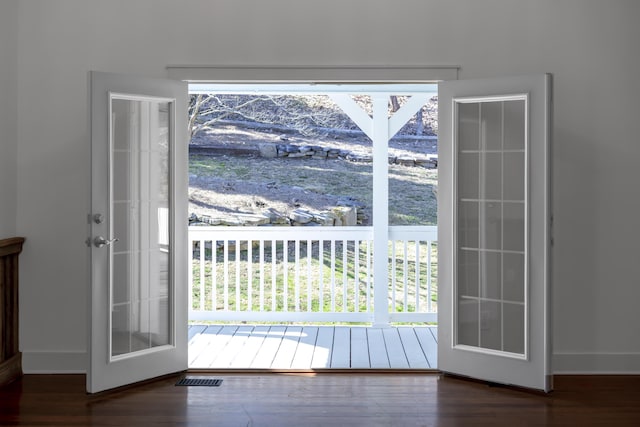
[395,104]
[305,114]
[311,115]
[205,110]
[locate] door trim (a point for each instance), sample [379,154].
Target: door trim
[312,73]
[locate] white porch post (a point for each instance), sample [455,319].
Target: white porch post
[380,129]
[380,209]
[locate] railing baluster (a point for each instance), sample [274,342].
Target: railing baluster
[345,276]
[190,274]
[203,258]
[321,275]
[357,274]
[417,244]
[405,275]
[261,275]
[274,275]
[333,275]
[250,275]
[297,277]
[225,251]
[237,302]
[428,276]
[393,276]
[368,280]
[214,271]
[309,276]
[285,275]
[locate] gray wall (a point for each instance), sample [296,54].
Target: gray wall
[590,47]
[8,117]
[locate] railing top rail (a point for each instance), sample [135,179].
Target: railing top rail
[283,233]
[413,232]
[427,232]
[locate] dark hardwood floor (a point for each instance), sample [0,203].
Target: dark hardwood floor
[327,399]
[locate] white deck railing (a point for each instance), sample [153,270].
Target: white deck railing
[309,274]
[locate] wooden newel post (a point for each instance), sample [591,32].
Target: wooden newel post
[10,356]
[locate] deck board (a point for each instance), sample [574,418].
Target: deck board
[395,351]
[311,347]
[254,341]
[216,347]
[341,352]
[306,346]
[429,345]
[359,349]
[270,345]
[377,349]
[195,330]
[233,348]
[200,344]
[287,350]
[322,352]
[412,349]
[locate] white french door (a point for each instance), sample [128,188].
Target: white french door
[494,220]
[137,304]
[494,230]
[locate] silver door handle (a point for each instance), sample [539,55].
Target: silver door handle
[100,242]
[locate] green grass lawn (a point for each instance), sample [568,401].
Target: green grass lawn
[412,198]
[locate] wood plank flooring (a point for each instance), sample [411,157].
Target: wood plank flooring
[325,399]
[311,347]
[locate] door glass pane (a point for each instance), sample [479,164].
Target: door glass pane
[513,326]
[468,186]
[491,122]
[491,275]
[468,273]
[490,325]
[513,225]
[513,164]
[492,170]
[514,124]
[468,224]
[469,127]
[513,277]
[468,321]
[491,225]
[490,288]
[139,181]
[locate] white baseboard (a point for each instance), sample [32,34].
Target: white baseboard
[50,362]
[596,363]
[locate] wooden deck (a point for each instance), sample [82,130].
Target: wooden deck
[311,347]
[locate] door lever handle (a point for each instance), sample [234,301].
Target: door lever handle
[100,242]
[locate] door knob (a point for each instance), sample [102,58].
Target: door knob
[100,242]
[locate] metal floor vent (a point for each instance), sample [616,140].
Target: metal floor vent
[204,382]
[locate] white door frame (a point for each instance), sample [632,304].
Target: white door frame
[379,127]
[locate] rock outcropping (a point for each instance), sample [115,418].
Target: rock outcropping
[291,151]
[335,217]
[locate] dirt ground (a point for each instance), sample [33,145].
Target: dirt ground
[243,137]
[225,185]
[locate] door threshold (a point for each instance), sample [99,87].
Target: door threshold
[314,371]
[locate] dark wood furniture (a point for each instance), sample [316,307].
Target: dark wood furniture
[10,356]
